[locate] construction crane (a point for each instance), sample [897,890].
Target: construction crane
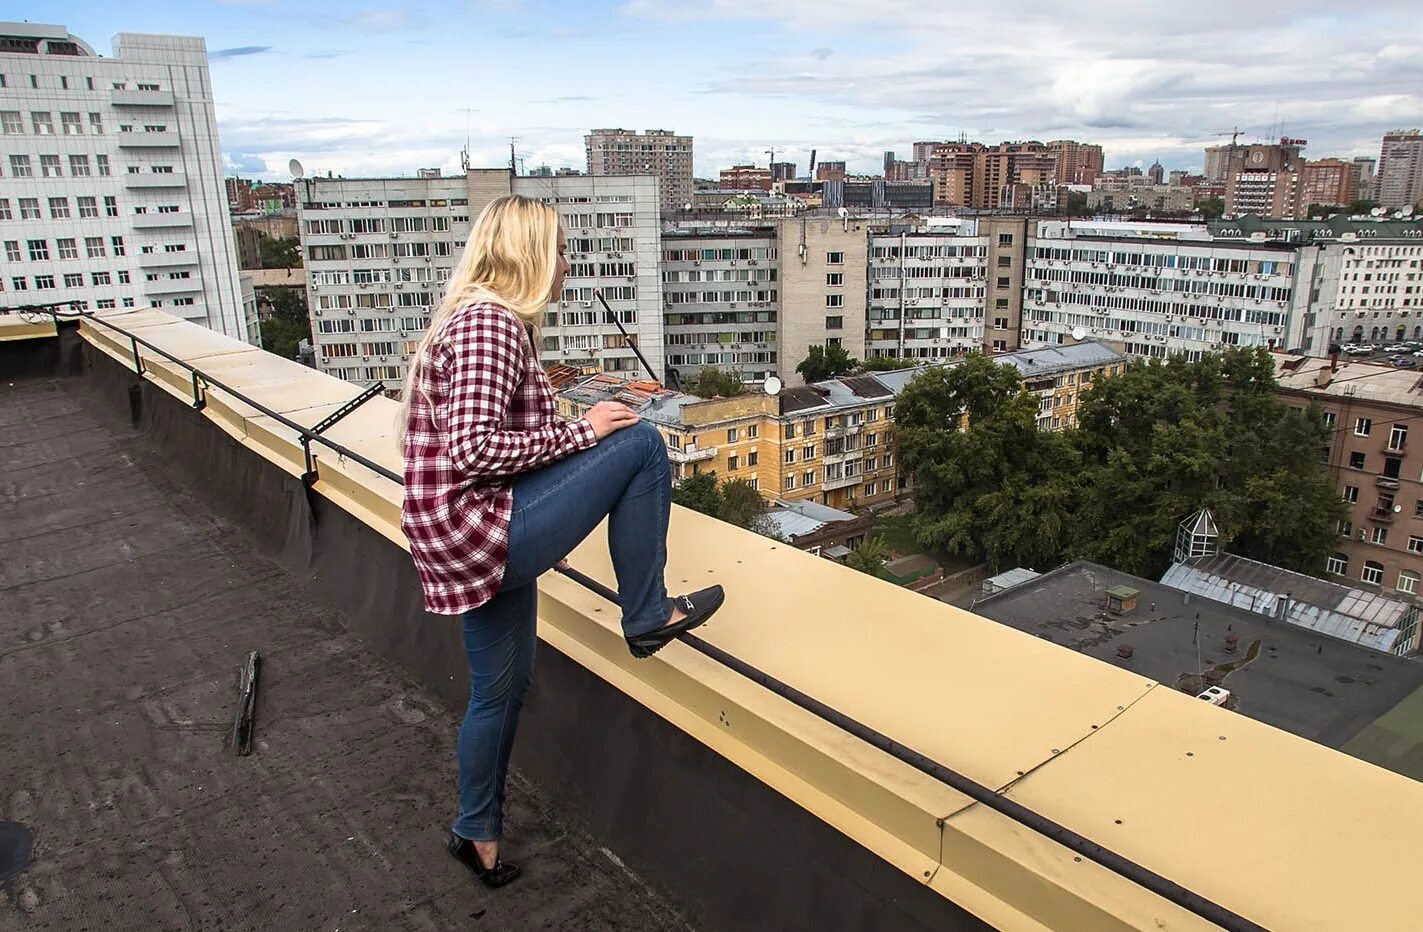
[1234,135]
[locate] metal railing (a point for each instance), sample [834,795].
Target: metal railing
[978,792]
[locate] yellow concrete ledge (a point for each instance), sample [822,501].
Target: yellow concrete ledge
[1286,832]
[14,327]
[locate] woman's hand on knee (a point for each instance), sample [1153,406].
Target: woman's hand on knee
[609,416]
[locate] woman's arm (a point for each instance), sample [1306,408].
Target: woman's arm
[485,354]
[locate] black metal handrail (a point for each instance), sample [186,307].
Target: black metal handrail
[978,792]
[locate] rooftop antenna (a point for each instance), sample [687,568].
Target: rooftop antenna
[513,162]
[464,153]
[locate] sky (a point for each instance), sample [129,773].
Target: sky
[363,88]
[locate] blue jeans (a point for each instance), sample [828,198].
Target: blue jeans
[625,478]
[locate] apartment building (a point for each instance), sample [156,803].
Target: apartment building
[1134,192]
[1371,410]
[380,250]
[1399,182]
[1158,289]
[970,174]
[720,291]
[111,189]
[1333,182]
[823,269]
[1263,180]
[1060,375]
[927,289]
[1076,162]
[1361,279]
[745,178]
[657,152]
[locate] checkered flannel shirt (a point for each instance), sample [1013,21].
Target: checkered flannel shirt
[483,412]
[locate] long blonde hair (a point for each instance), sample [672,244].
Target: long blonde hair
[510,259]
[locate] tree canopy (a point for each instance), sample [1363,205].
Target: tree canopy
[713,383]
[826,362]
[279,252]
[287,323]
[1152,446]
[735,501]
[869,557]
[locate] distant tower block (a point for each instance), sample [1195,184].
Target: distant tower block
[1198,537]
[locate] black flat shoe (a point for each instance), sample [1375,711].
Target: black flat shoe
[698,607]
[462,850]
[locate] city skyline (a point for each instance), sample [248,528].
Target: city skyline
[743,78]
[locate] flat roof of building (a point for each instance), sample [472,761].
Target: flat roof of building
[1310,684]
[1357,381]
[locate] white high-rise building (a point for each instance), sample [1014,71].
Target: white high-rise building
[928,291]
[379,252]
[111,190]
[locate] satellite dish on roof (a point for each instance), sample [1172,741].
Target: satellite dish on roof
[1079,333]
[772,386]
[297,171]
[1406,210]
[1376,212]
[844,211]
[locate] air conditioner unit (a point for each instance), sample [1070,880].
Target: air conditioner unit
[395,259]
[350,312]
[399,285]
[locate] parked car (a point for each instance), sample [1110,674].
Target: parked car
[1359,350]
[1403,362]
[1398,348]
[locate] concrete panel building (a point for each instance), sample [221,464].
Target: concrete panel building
[927,290]
[823,275]
[1400,173]
[111,189]
[379,252]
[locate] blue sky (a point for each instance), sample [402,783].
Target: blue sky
[367,87]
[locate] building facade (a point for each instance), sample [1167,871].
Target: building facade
[1370,410]
[111,189]
[1399,182]
[1076,162]
[379,252]
[745,178]
[928,290]
[657,152]
[970,174]
[823,269]
[1263,180]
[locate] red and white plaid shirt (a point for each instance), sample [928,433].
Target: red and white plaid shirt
[482,413]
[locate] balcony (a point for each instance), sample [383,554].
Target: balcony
[691,454]
[167,260]
[362,708]
[164,140]
[133,98]
[154,221]
[145,181]
[1387,482]
[167,286]
[831,484]
[1383,513]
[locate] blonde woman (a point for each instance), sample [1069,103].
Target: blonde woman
[498,490]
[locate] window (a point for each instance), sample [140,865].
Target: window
[1337,564]
[43,122]
[11,122]
[808,452]
[1003,281]
[1005,262]
[732,462]
[1000,303]
[59,208]
[834,300]
[72,124]
[68,248]
[88,207]
[752,458]
[103,162]
[74,280]
[1346,528]
[39,250]
[123,277]
[1362,426]
[1380,535]
[790,431]
[5,209]
[834,258]
[790,483]
[12,251]
[1356,460]
[100,278]
[111,207]
[49,166]
[1373,572]
[835,323]
[44,282]
[869,488]
[20,166]
[79,166]
[808,479]
[1398,437]
[1005,239]
[1000,323]
[18,283]
[1415,544]
[1330,419]
[731,435]
[790,455]
[833,279]
[96,124]
[29,208]
[1351,493]
[1407,582]
[117,242]
[753,431]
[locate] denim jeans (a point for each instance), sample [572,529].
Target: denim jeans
[625,478]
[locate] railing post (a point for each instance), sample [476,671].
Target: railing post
[200,392]
[137,359]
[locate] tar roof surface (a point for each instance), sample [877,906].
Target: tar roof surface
[1315,686]
[125,609]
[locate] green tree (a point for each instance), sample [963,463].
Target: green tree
[713,383]
[1362,206]
[1077,204]
[869,557]
[285,322]
[988,484]
[826,362]
[1212,208]
[279,252]
[741,504]
[698,492]
[888,364]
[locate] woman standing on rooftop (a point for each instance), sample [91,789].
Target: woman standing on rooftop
[498,490]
